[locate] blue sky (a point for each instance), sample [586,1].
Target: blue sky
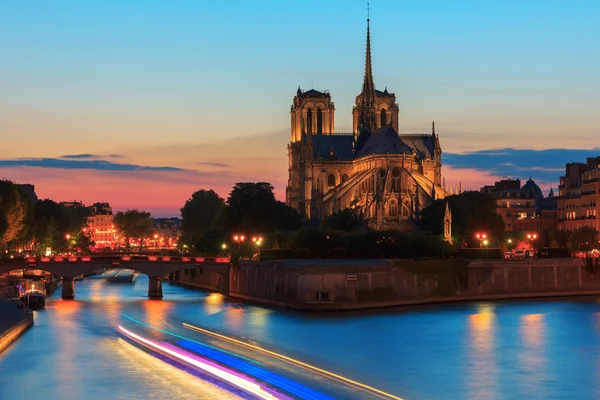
[192,85]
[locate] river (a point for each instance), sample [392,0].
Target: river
[484,350]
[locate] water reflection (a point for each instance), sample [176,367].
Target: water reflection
[510,350]
[483,369]
[532,357]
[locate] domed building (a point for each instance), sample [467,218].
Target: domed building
[523,208]
[387,176]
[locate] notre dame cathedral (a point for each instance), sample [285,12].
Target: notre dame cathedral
[388,177]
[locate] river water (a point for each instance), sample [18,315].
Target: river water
[483,350]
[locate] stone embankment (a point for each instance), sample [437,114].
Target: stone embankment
[14,320]
[360,284]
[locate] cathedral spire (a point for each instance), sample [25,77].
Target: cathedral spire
[368,85]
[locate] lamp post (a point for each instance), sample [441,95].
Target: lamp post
[482,238]
[238,239]
[531,237]
[257,241]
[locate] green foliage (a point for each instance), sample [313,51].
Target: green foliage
[472,212]
[322,243]
[583,239]
[134,224]
[252,208]
[198,216]
[346,220]
[14,208]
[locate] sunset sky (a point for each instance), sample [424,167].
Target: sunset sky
[140,103]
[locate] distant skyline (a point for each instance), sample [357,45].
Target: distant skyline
[141,103]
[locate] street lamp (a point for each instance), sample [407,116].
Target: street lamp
[239,239]
[482,238]
[257,241]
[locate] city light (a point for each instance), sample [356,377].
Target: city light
[509,241]
[322,372]
[224,246]
[68,236]
[211,368]
[485,242]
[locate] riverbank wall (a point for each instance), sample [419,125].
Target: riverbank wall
[361,284]
[213,277]
[14,321]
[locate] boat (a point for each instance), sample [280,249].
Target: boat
[31,292]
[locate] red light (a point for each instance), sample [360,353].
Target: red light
[199,259]
[186,259]
[86,259]
[478,236]
[45,259]
[31,259]
[242,238]
[166,258]
[58,258]
[72,259]
[126,258]
[484,236]
[152,258]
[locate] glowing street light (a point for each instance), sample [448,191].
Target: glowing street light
[257,241]
[68,236]
[224,246]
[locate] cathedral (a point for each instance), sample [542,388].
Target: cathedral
[385,175]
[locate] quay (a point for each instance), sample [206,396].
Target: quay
[14,321]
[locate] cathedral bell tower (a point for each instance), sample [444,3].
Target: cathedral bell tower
[312,113]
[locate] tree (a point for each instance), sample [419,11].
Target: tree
[14,208]
[198,215]
[252,207]
[51,224]
[560,238]
[346,220]
[134,224]
[583,239]
[472,212]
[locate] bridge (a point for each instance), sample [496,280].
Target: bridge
[155,267]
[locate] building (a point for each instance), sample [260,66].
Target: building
[168,231]
[101,227]
[388,177]
[579,195]
[523,208]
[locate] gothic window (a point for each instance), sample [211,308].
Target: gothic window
[393,208]
[396,180]
[309,129]
[319,121]
[383,117]
[331,180]
[405,210]
[344,178]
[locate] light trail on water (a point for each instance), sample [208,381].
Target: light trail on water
[198,343]
[260,373]
[211,368]
[320,371]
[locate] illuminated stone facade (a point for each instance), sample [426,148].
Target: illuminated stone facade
[579,195]
[389,177]
[523,208]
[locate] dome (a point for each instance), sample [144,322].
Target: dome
[531,186]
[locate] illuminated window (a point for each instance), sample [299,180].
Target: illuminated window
[383,117]
[344,178]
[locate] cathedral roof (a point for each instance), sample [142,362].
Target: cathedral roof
[313,93]
[385,140]
[424,144]
[340,146]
